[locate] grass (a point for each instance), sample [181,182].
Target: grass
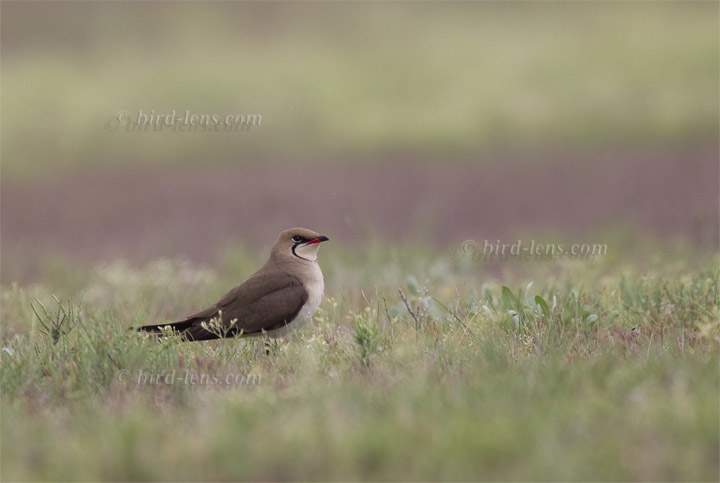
[355,81]
[604,370]
[419,365]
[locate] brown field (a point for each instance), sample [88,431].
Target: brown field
[143,212]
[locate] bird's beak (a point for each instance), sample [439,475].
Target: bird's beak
[319,239]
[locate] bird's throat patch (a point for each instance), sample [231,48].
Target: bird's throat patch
[305,252]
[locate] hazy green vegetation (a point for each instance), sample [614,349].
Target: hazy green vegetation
[598,370]
[356,81]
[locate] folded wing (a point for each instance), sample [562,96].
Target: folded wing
[266,301]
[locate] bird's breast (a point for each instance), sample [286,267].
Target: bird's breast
[314,285]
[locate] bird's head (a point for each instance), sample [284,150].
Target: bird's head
[298,244]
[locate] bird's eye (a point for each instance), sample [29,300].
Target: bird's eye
[297,238]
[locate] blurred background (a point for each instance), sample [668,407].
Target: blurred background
[425,123]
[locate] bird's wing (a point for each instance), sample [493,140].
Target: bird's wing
[265,301]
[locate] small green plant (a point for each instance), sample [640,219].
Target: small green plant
[367,337]
[61,323]
[216,327]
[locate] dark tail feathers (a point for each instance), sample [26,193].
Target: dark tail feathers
[190,330]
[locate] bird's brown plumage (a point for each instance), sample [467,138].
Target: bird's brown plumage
[268,300]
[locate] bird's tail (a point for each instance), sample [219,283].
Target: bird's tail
[189,330]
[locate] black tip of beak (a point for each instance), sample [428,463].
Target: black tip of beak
[318,239]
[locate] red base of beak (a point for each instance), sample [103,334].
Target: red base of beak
[319,239]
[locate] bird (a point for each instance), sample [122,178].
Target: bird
[280,297]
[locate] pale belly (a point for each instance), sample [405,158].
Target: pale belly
[315,287]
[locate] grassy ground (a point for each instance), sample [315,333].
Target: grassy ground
[601,369]
[598,370]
